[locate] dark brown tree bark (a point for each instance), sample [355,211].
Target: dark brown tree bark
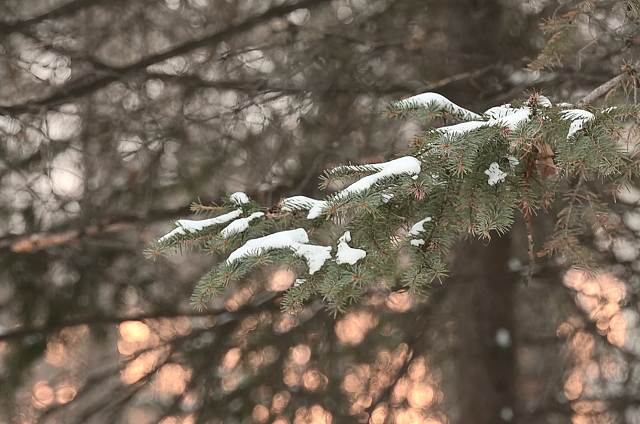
[483,298]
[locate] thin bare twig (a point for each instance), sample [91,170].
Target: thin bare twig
[41,240]
[65,10]
[603,89]
[459,77]
[83,88]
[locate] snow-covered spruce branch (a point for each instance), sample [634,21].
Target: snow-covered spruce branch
[392,224]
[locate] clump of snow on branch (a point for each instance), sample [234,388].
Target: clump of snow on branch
[462,128]
[347,254]
[190,226]
[418,227]
[417,242]
[239,225]
[428,99]
[407,165]
[578,118]
[315,207]
[512,118]
[239,198]
[495,174]
[544,101]
[499,116]
[296,240]
[508,117]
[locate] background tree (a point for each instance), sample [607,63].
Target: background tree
[115,116]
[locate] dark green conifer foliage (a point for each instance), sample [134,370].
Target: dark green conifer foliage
[472,180]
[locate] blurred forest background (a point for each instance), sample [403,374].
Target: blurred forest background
[115,115]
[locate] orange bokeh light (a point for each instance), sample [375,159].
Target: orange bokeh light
[134,331]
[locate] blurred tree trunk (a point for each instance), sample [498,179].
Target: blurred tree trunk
[483,299]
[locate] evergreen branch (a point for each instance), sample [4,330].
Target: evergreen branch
[559,29]
[457,182]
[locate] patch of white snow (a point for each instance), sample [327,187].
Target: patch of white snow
[347,254]
[544,101]
[315,207]
[407,165]
[239,225]
[495,174]
[190,226]
[578,118]
[512,118]
[418,227]
[239,198]
[295,240]
[427,99]
[462,128]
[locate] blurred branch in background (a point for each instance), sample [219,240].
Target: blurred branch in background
[114,116]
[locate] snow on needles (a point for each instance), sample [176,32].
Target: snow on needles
[511,118]
[578,118]
[462,128]
[418,227]
[401,166]
[499,116]
[495,174]
[315,207]
[239,198]
[191,226]
[407,165]
[347,254]
[239,225]
[544,101]
[427,99]
[296,240]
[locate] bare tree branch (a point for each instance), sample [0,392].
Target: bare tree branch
[603,89]
[84,88]
[43,240]
[66,9]
[105,320]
